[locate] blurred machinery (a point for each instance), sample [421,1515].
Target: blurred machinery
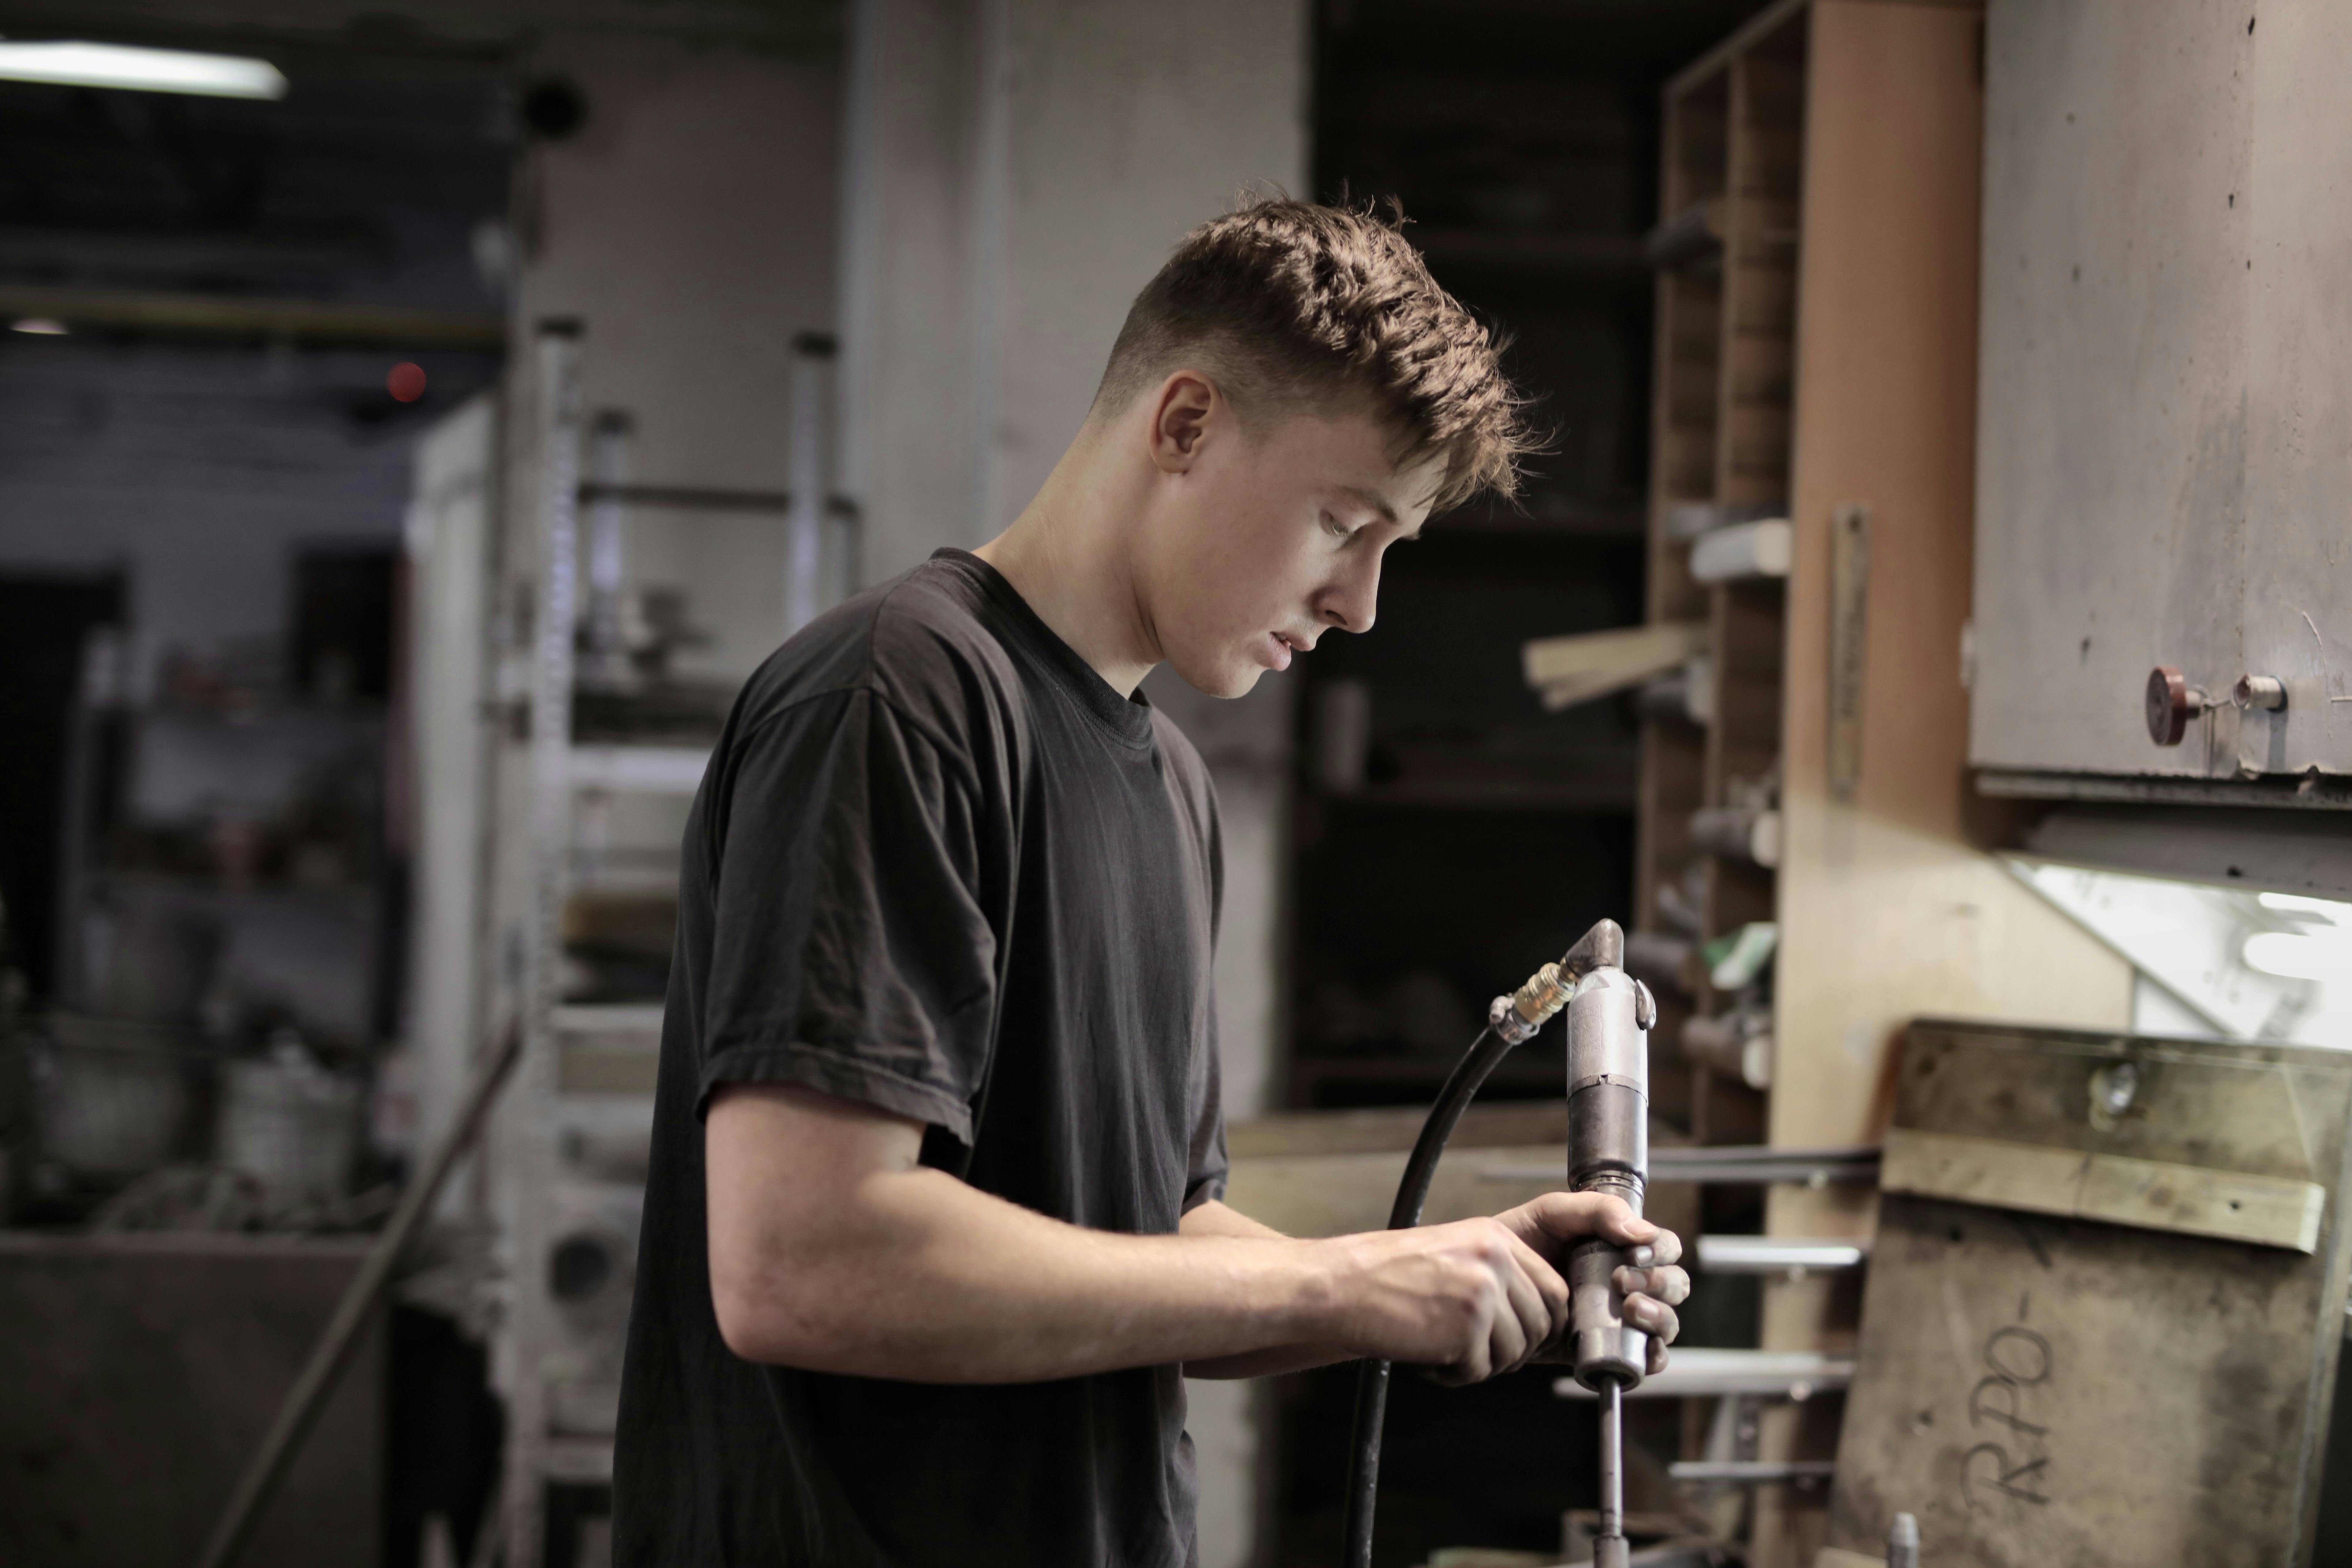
[605,720]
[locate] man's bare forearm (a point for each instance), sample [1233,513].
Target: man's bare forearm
[832,1249]
[928,1280]
[1214,1219]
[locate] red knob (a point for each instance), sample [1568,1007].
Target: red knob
[2171,703]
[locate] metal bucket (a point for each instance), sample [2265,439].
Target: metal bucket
[290,1124]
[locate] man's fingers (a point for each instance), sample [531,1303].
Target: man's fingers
[1624,1227]
[1551,1285]
[1529,1320]
[1657,1355]
[1667,1283]
[1569,1217]
[1652,1316]
[1507,1337]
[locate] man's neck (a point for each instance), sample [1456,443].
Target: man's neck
[1067,555]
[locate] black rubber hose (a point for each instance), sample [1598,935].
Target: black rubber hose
[1413,1192]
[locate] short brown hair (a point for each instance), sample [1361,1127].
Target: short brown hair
[1294,301]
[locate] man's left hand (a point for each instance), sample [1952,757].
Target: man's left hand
[1553,1224]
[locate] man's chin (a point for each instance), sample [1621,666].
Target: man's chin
[1233,678]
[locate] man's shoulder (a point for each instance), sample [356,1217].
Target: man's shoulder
[917,643]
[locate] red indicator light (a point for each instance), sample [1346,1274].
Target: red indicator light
[406,381]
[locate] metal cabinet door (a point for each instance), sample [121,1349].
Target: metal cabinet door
[2165,392]
[2296,619]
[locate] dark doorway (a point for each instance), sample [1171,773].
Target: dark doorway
[46,627]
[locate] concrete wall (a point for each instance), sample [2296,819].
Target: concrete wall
[1015,171]
[690,226]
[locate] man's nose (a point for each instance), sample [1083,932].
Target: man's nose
[1352,603]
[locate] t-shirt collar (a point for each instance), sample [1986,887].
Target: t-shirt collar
[1125,719]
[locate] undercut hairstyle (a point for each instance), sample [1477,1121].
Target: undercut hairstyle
[1291,305]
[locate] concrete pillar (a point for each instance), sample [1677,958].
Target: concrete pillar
[1015,170]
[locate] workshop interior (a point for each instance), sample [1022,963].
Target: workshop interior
[1880,801]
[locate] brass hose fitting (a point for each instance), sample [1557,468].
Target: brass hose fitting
[1518,1016]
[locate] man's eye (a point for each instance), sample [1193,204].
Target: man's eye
[1332,526]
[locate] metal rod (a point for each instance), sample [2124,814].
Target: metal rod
[303,1401]
[1779,1254]
[1732,1166]
[1611,1546]
[1705,1373]
[1613,1461]
[1756,1472]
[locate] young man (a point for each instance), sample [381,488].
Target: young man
[933,1232]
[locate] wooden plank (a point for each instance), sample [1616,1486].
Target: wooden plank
[2159,1196]
[1570,669]
[2155,1195]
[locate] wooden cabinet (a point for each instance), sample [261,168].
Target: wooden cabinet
[2165,405]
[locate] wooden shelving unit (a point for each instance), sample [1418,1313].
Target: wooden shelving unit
[1723,414]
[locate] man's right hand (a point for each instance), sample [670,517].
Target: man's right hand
[1468,1299]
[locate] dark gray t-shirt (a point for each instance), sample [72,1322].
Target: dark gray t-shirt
[940,866]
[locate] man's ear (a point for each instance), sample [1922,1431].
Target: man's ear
[1188,407]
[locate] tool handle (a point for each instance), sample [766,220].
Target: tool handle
[1607,1348]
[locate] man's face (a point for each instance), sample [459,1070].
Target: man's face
[1272,536]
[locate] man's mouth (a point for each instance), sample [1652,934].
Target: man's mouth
[1280,646]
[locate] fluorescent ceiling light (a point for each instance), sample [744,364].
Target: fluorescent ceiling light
[141,70]
[39,326]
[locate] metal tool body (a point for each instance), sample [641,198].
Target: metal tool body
[1511,1022]
[1608,1018]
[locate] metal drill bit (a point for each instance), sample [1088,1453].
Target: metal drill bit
[1609,1550]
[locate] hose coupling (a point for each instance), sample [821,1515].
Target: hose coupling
[1518,1016]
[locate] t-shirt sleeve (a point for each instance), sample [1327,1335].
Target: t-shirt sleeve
[1207,1164]
[850,950]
